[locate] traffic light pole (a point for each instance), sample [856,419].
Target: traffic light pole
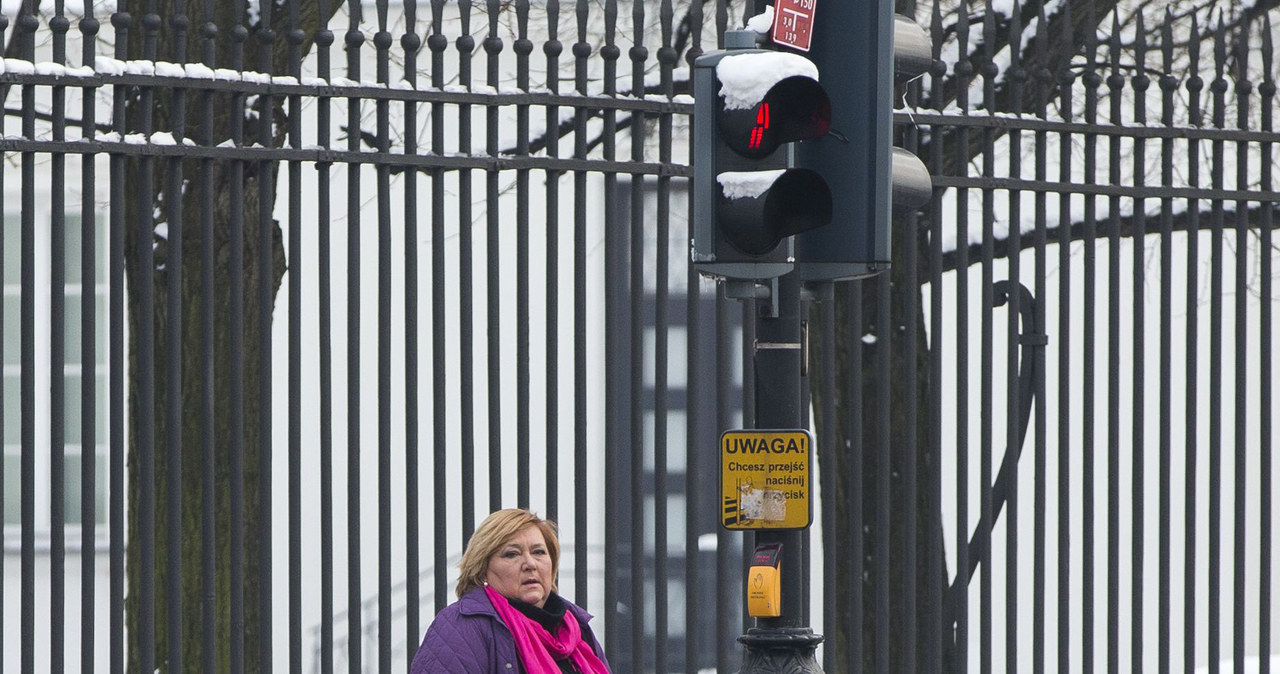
[785,643]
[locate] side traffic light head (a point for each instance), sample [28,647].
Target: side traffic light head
[862,48]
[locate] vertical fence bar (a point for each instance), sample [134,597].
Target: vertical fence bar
[622,432]
[523,47]
[859,650]
[1016,76]
[466,342]
[909,448]
[324,39]
[266,173]
[1168,85]
[58,25]
[296,263]
[939,635]
[1219,89]
[964,74]
[410,43]
[1066,166]
[986,522]
[88,26]
[144,295]
[354,40]
[382,42]
[208,522]
[1140,83]
[437,43]
[1115,86]
[882,548]
[1244,89]
[551,144]
[26,28]
[725,595]
[638,54]
[116,378]
[1092,82]
[1192,270]
[266,300]
[827,468]
[175,344]
[236,356]
[493,325]
[1044,88]
[615,266]
[695,388]
[582,50]
[662,251]
[1267,90]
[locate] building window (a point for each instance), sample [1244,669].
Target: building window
[80,295]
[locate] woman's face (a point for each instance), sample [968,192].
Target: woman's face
[521,568]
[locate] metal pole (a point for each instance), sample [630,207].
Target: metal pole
[785,643]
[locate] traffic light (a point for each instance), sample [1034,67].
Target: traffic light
[869,178]
[748,201]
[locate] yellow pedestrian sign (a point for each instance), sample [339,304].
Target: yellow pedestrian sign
[766,479]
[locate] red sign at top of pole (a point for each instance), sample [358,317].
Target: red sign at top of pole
[793,23]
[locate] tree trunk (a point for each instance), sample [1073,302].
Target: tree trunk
[192,447]
[858,431]
[206,121]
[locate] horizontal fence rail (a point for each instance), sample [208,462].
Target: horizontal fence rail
[295,293]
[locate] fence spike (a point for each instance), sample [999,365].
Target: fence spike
[1220,47]
[1267,55]
[1166,41]
[1140,48]
[1114,42]
[1243,82]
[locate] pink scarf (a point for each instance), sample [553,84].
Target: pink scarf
[538,648]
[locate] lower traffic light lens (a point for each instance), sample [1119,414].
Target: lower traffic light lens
[755,217]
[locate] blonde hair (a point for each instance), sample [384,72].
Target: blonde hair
[494,532]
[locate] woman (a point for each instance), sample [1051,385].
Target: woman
[508,617]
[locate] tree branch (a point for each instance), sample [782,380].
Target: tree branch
[1180,223]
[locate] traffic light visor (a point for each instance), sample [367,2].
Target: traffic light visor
[769,99]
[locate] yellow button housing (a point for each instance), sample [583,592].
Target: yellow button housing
[764,591]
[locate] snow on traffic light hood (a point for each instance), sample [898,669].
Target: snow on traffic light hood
[745,79]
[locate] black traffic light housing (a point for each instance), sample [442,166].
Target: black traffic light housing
[748,200]
[854,43]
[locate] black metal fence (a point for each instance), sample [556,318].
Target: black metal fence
[296,292]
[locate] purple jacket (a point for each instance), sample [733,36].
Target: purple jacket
[468,637]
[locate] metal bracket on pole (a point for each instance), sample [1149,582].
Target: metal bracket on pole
[741,289]
[772,309]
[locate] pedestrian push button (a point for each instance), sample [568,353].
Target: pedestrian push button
[764,582]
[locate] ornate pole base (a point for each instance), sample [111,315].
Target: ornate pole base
[780,651]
